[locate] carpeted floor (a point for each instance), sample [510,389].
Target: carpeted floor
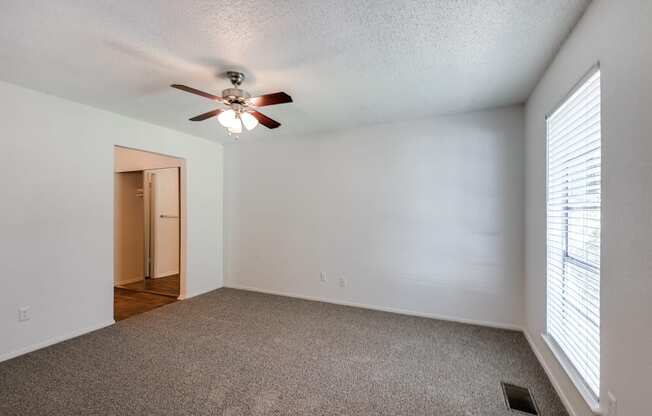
[232,352]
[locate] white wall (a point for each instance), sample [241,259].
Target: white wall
[128,228]
[56,215]
[425,216]
[619,35]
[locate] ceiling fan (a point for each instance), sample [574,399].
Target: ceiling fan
[241,107]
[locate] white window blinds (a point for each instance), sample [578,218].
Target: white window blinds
[574,187]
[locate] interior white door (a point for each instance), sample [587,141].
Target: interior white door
[165,222]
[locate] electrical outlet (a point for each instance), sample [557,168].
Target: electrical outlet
[611,404]
[23,314]
[322,277]
[342,282]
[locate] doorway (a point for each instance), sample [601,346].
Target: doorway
[148,231]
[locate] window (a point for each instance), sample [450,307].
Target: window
[573,235]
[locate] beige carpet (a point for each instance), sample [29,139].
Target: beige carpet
[232,352]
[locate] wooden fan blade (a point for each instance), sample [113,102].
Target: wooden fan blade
[265,121]
[195,91]
[209,114]
[271,99]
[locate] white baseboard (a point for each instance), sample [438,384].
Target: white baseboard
[166,274]
[54,340]
[490,324]
[189,295]
[129,280]
[555,383]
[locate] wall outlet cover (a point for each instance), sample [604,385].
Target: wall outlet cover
[23,314]
[322,277]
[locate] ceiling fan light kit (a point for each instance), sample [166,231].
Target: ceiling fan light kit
[240,106]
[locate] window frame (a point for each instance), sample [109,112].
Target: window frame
[590,397]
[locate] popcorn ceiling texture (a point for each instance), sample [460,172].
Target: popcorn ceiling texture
[346,63]
[231,352]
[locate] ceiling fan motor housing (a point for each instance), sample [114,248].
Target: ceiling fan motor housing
[235,96]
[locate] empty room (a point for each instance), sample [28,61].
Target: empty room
[409,207]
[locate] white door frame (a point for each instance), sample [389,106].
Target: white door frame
[130,159]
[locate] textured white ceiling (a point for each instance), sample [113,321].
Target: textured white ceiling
[346,63]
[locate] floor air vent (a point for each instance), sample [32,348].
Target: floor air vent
[519,399]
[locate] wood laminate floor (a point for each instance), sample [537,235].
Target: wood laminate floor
[127,303]
[168,286]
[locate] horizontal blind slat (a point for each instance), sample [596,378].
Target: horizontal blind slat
[574,182]
[580,129]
